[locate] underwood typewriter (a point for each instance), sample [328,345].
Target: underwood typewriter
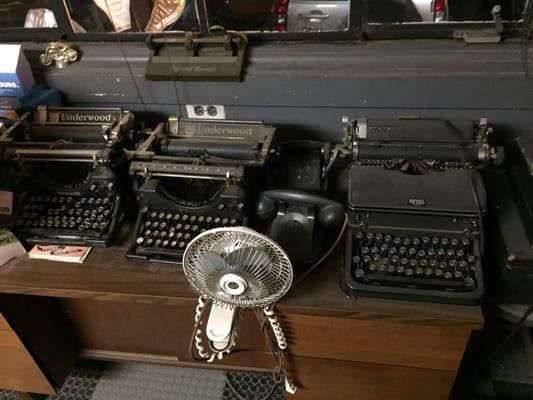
[416,206]
[63,169]
[191,176]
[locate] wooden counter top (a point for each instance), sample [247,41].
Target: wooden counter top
[106,275]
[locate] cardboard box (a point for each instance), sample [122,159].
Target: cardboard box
[16,77]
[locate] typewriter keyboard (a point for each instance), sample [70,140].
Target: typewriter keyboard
[438,263]
[66,215]
[166,235]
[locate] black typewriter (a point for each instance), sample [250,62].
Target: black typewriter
[416,208]
[191,176]
[63,169]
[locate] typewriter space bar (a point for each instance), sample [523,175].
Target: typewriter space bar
[418,282]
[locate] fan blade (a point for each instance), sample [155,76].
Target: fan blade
[212,261]
[247,258]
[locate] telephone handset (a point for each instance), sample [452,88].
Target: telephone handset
[302,223]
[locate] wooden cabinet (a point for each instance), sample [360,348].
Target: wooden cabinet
[18,369]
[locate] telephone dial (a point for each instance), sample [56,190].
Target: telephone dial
[302,223]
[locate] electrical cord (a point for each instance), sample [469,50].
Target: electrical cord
[502,344]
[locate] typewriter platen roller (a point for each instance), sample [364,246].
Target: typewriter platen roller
[191,176]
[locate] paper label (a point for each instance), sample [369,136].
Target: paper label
[6,203]
[118,12]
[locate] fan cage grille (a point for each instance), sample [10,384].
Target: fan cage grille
[256,258]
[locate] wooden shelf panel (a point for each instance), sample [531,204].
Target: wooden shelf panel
[107,275]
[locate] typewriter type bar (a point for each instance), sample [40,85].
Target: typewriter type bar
[192,176]
[447,142]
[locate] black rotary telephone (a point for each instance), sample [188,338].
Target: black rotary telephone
[304,224]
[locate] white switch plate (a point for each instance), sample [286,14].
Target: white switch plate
[206,111]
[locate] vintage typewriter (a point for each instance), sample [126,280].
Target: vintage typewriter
[191,176]
[416,207]
[63,167]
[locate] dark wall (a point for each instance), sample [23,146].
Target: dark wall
[307,88]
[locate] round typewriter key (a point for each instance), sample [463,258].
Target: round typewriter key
[404,261]
[367,259]
[431,253]
[161,215]
[184,217]
[463,264]
[147,223]
[372,267]
[421,254]
[450,253]
[359,235]
[458,274]
[393,251]
[402,251]
[201,219]
[471,259]
[435,241]
[140,240]
[376,257]
[379,237]
[165,243]
[173,243]
[153,214]
[155,233]
[397,241]
[460,253]
[356,259]
[445,242]
[441,252]
[438,272]
[409,272]
[384,248]
[407,242]
[171,234]
[162,225]
[454,242]
[168,216]
[107,212]
[413,263]
[233,222]
[179,235]
[385,261]
[176,217]
[103,225]
[163,235]
[448,275]
[387,239]
[194,228]
[370,236]
[186,227]
[158,242]
[224,221]
[382,268]
[395,259]
[359,273]
[466,242]
[178,227]
[181,245]
[216,220]
[155,224]
[187,236]
[433,263]
[426,240]
[365,250]
[400,269]
[209,220]
[453,263]
[411,252]
[98,201]
[203,230]
[391,269]
[469,282]
[374,250]
[105,200]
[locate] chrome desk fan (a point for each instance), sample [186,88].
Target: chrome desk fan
[234,269]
